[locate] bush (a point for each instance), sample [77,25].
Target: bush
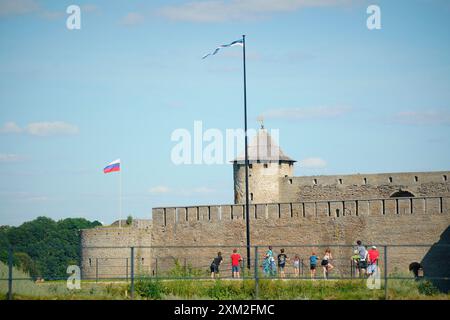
[129,220]
[188,271]
[427,288]
[149,288]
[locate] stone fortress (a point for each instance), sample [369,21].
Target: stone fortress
[410,211]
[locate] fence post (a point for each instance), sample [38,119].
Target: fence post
[10,273]
[96,269]
[132,274]
[256,274]
[385,273]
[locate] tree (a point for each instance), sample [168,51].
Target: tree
[129,220]
[44,247]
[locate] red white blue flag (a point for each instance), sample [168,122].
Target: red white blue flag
[112,167]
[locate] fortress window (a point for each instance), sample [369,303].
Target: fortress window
[90,262]
[290,181]
[265,165]
[251,196]
[444,177]
[416,178]
[390,179]
[250,166]
[340,181]
[365,180]
[315,181]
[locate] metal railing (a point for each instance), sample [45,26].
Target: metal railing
[129,264]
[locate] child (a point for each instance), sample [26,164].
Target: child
[215,265]
[355,261]
[313,264]
[296,266]
[235,259]
[326,265]
[282,263]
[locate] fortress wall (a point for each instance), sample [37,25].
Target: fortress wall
[99,258]
[295,210]
[377,221]
[293,189]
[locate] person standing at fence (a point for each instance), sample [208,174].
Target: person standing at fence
[373,255]
[269,263]
[313,264]
[215,265]
[355,262]
[235,260]
[363,255]
[296,266]
[326,265]
[282,258]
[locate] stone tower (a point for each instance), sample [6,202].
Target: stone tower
[267,165]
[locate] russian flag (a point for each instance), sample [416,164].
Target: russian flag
[112,167]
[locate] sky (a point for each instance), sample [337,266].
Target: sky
[344,98]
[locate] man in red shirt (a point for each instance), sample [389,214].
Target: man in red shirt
[235,259]
[374,255]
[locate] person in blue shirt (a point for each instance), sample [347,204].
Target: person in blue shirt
[313,264]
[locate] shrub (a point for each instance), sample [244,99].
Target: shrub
[129,220]
[149,288]
[427,288]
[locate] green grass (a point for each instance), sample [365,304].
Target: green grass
[148,288]
[25,288]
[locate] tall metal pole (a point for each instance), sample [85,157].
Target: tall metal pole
[10,273]
[247,215]
[120,197]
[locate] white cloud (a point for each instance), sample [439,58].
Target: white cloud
[41,128]
[18,7]
[433,117]
[132,19]
[159,190]
[4,157]
[313,163]
[305,113]
[237,10]
[51,128]
[10,127]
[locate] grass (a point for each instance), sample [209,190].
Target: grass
[150,288]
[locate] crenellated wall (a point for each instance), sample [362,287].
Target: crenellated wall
[390,221]
[382,185]
[327,208]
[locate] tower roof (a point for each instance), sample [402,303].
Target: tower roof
[262,148]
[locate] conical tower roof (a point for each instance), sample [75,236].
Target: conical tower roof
[262,148]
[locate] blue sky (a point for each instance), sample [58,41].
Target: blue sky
[345,99]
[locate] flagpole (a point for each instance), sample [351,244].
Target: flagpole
[247,215]
[120,196]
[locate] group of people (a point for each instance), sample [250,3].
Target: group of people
[235,264]
[365,262]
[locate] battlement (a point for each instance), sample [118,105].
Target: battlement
[400,178]
[305,209]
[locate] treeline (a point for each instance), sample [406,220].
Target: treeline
[44,247]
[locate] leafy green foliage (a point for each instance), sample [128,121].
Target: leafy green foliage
[44,247]
[427,288]
[129,220]
[185,271]
[149,288]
